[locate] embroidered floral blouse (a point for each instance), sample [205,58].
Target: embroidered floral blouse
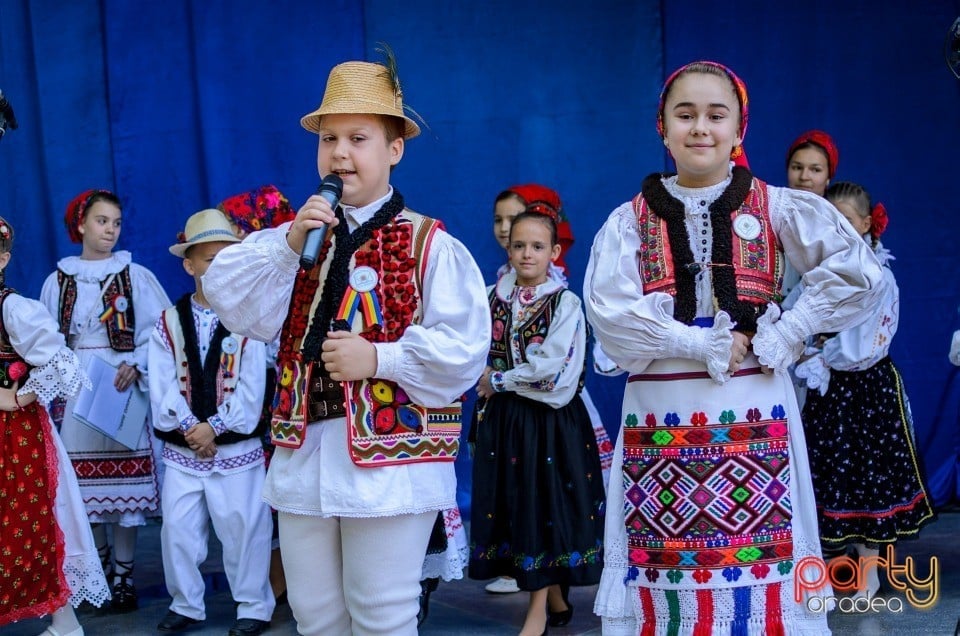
[551,373]
[840,274]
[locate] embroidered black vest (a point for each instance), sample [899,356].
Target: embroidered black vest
[203,378]
[121,325]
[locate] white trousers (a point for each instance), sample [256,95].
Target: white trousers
[241,520]
[354,575]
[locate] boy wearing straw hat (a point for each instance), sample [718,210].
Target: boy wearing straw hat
[379,341]
[206,389]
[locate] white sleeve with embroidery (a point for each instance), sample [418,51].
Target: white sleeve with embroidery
[864,345]
[634,329]
[552,371]
[249,284]
[34,335]
[240,410]
[436,361]
[840,274]
[169,407]
[149,301]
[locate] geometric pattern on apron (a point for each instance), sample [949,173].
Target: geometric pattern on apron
[707,502]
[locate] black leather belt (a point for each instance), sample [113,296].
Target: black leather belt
[324,396]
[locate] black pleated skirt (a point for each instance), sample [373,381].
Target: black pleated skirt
[538,500]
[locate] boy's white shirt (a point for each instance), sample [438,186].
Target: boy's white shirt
[434,362]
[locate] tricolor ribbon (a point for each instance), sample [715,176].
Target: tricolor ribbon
[366,302]
[116,307]
[227,361]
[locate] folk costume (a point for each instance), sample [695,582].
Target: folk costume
[107,308]
[381,468]
[714,504]
[47,553]
[867,478]
[538,499]
[200,372]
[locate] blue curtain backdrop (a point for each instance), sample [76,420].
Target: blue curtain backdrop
[177,104]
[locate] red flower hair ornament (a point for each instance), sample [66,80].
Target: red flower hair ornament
[878,220]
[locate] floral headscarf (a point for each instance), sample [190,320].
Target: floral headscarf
[257,209]
[737,154]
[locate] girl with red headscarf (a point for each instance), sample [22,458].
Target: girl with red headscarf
[106,307]
[711,508]
[812,162]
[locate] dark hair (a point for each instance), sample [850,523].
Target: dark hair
[815,146]
[849,191]
[103,195]
[857,195]
[508,194]
[536,216]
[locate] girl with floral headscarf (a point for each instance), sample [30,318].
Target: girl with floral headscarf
[714,509]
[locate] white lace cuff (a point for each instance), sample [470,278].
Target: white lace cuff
[708,345]
[779,339]
[61,376]
[815,372]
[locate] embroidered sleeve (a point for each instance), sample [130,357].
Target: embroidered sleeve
[61,376]
[240,410]
[249,284]
[841,276]
[169,406]
[34,335]
[149,301]
[862,346]
[436,361]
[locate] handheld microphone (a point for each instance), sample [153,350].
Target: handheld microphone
[330,189]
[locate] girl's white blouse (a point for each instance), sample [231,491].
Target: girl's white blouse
[840,273]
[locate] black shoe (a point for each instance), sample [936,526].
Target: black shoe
[174,622]
[124,597]
[560,619]
[248,627]
[427,586]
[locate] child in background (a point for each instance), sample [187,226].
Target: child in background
[389,322]
[542,200]
[866,475]
[206,388]
[537,512]
[106,306]
[48,560]
[811,163]
[703,531]
[248,212]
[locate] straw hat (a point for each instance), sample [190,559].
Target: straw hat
[361,88]
[206,226]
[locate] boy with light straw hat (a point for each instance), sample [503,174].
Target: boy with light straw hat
[378,342]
